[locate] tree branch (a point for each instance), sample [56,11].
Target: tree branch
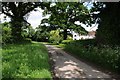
[8,14]
[30,8]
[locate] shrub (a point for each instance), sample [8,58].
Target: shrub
[67,41]
[104,56]
[69,37]
[6,33]
[55,37]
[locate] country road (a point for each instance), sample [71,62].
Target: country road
[67,66]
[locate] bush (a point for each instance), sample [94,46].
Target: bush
[67,41]
[41,36]
[23,41]
[6,33]
[55,37]
[0,34]
[104,56]
[69,37]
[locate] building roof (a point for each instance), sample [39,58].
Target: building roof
[91,33]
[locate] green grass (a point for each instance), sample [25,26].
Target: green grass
[28,60]
[104,56]
[0,62]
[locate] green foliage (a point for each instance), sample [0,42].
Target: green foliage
[0,33]
[0,61]
[24,33]
[28,32]
[7,37]
[66,41]
[67,14]
[69,37]
[104,56]
[6,33]
[55,37]
[19,12]
[31,32]
[25,61]
[24,41]
[109,29]
[42,33]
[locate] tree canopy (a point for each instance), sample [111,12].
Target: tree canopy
[17,11]
[64,15]
[108,19]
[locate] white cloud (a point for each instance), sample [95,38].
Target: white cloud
[36,17]
[88,4]
[2,18]
[93,27]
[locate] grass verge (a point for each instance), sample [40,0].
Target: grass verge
[28,60]
[105,56]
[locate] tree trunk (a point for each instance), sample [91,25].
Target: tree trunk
[65,34]
[16,30]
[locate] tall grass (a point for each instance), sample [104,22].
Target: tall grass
[0,62]
[104,56]
[25,61]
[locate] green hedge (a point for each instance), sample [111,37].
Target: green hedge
[105,56]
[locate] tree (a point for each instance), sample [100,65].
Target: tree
[109,22]
[64,15]
[17,12]
[28,32]
[109,25]
[42,33]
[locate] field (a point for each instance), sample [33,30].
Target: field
[28,60]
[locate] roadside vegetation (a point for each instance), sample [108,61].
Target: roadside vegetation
[105,56]
[28,60]
[23,59]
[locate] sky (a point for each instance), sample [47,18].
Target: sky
[35,18]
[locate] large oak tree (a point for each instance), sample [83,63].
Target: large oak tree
[64,15]
[17,12]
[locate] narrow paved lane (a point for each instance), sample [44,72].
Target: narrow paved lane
[67,66]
